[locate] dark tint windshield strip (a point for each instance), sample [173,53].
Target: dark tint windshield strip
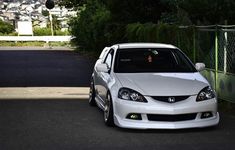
[151,60]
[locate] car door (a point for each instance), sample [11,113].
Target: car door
[104,78]
[96,77]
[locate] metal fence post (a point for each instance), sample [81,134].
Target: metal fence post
[178,39]
[225,47]
[194,44]
[216,57]
[225,51]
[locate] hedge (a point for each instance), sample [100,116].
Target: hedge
[47,32]
[162,33]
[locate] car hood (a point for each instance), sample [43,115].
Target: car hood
[164,84]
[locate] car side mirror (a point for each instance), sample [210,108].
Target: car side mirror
[200,66]
[102,68]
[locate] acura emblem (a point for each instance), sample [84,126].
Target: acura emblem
[171,99]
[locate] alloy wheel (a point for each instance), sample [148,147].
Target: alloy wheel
[107,108]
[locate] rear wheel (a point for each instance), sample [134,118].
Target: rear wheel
[108,111]
[92,94]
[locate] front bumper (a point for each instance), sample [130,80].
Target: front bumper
[122,108]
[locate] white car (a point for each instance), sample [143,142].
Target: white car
[152,86]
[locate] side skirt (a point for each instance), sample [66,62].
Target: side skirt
[100,102]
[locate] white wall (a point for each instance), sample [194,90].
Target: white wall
[36,38]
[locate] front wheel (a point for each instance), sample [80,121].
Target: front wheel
[108,111]
[92,94]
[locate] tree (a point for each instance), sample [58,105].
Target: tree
[142,11]
[129,11]
[209,11]
[56,23]
[89,27]
[103,22]
[45,12]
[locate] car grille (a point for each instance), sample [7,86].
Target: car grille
[171,118]
[166,98]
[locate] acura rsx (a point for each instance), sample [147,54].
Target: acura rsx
[152,86]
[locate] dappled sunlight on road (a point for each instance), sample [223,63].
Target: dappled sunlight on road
[44,93]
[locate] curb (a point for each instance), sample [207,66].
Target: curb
[36,93]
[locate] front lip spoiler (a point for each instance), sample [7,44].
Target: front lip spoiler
[124,123]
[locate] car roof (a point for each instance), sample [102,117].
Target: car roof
[144,45]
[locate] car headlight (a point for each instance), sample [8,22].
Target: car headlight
[205,94]
[132,95]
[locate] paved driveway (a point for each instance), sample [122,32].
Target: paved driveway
[37,67]
[74,125]
[71,124]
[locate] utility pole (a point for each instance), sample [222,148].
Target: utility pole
[50,4]
[51,21]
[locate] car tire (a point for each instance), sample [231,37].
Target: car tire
[92,94]
[108,111]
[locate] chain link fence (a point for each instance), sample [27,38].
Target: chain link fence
[226,50]
[214,46]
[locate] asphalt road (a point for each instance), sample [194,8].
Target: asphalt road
[72,124]
[37,68]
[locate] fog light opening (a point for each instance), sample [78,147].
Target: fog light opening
[206,115]
[134,116]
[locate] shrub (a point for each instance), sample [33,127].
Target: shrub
[59,32]
[6,28]
[90,27]
[41,31]
[162,33]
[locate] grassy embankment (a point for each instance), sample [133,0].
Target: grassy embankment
[30,44]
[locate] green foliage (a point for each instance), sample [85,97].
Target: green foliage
[185,40]
[162,33]
[41,31]
[59,32]
[47,32]
[40,44]
[13,34]
[204,47]
[71,3]
[45,12]
[5,28]
[140,32]
[102,23]
[130,11]
[90,28]
[21,44]
[209,11]
[149,32]
[55,22]
[59,44]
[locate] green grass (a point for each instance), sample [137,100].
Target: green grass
[54,44]
[40,44]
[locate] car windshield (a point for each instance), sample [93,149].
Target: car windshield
[151,60]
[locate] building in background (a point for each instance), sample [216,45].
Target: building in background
[13,11]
